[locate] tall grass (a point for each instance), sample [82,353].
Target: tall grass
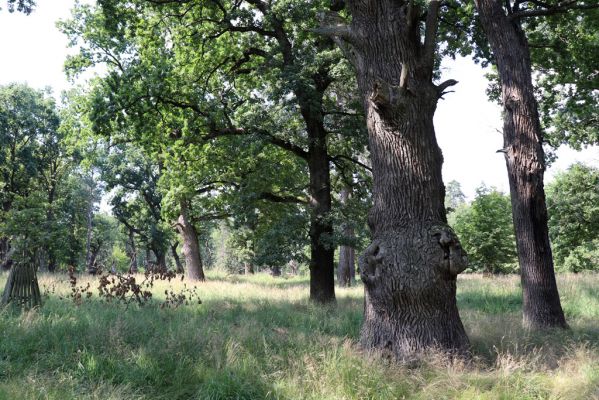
[259,337]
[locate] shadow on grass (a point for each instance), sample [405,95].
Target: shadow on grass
[491,303]
[221,349]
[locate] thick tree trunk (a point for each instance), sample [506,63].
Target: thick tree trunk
[409,271]
[191,246]
[526,165]
[177,259]
[346,268]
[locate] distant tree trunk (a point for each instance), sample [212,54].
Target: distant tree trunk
[312,108]
[92,267]
[346,268]
[294,267]
[160,259]
[132,252]
[191,246]
[322,258]
[52,263]
[409,271]
[149,263]
[248,268]
[525,161]
[175,254]
[5,258]
[89,262]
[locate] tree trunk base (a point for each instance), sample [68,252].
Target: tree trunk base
[410,294]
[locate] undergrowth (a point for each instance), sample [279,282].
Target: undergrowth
[259,337]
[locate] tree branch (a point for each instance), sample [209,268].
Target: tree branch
[353,160]
[559,8]
[430,38]
[444,85]
[278,198]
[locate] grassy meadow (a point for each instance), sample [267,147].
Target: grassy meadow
[259,337]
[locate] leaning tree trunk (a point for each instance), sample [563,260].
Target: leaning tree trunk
[175,254]
[191,246]
[409,270]
[525,161]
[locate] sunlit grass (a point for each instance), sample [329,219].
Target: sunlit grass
[259,337]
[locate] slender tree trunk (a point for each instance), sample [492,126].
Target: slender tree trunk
[191,246]
[132,253]
[89,263]
[525,161]
[346,268]
[294,267]
[92,268]
[248,268]
[409,270]
[52,263]
[310,100]
[322,259]
[175,254]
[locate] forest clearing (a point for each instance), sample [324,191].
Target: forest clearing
[299,199]
[259,337]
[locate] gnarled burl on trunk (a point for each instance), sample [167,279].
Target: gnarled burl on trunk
[409,271]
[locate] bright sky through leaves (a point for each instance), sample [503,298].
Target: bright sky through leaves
[468,126]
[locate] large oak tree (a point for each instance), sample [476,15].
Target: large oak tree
[410,269]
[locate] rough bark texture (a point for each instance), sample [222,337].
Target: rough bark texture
[191,247]
[526,166]
[322,258]
[409,271]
